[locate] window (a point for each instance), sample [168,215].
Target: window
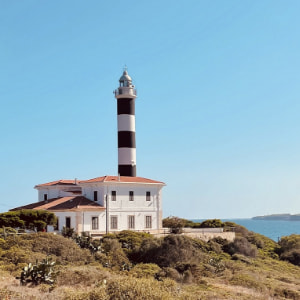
[68,222]
[131,196]
[148,195]
[56,226]
[113,222]
[148,222]
[45,197]
[95,223]
[131,222]
[113,195]
[95,195]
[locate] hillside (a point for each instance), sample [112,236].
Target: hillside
[138,266]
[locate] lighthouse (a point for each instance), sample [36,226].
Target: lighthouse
[125,95]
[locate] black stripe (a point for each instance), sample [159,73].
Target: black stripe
[126,139]
[126,106]
[127,170]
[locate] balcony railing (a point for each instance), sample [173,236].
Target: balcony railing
[125,91]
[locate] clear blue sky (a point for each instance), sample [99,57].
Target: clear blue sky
[217,113]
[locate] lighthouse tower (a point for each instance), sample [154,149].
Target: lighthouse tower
[125,95]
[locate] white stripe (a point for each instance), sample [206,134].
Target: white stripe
[127,156]
[126,123]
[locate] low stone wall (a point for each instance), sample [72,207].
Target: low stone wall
[206,236]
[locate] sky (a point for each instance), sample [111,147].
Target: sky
[217,113]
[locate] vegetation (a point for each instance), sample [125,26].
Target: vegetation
[290,249]
[176,224]
[28,219]
[131,265]
[38,273]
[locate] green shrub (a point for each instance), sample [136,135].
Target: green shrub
[131,240]
[141,288]
[287,243]
[175,249]
[147,252]
[247,281]
[214,223]
[28,218]
[145,270]
[6,231]
[242,246]
[112,255]
[238,229]
[289,249]
[174,224]
[68,232]
[266,246]
[15,255]
[293,256]
[39,245]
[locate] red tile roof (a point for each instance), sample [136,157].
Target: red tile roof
[123,179]
[62,203]
[59,182]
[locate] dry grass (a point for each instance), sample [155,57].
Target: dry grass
[214,276]
[241,281]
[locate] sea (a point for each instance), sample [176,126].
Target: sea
[270,228]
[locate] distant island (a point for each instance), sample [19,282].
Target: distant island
[278,217]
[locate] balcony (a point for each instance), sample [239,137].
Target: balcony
[125,91]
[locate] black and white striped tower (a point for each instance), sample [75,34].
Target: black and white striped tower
[125,95]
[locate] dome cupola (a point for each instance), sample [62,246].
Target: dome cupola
[125,79]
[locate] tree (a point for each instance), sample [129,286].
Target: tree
[175,224]
[28,219]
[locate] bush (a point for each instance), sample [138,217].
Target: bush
[175,249]
[28,218]
[238,229]
[112,255]
[174,224]
[140,288]
[214,223]
[131,240]
[6,231]
[293,256]
[247,281]
[147,252]
[68,232]
[145,270]
[287,243]
[39,245]
[241,246]
[266,246]
[290,249]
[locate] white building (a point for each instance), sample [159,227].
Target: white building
[108,203]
